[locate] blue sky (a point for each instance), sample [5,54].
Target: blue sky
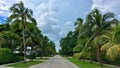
[56,18]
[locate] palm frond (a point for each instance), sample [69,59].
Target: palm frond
[113,52]
[14,6]
[33,21]
[29,41]
[108,15]
[106,46]
[12,17]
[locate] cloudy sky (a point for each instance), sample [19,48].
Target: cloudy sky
[56,18]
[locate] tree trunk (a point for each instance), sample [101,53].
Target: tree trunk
[0,46]
[23,27]
[42,53]
[41,49]
[31,53]
[99,55]
[24,47]
[91,56]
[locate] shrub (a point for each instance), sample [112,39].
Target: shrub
[77,55]
[6,55]
[18,58]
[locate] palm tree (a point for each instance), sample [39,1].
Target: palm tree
[79,26]
[44,43]
[31,32]
[112,47]
[84,34]
[51,49]
[101,24]
[21,15]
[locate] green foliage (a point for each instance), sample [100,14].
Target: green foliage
[97,24]
[22,16]
[4,27]
[68,43]
[97,38]
[106,46]
[6,55]
[18,58]
[113,52]
[77,55]
[77,49]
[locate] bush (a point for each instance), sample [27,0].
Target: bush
[33,56]
[116,61]
[77,55]
[18,58]
[6,55]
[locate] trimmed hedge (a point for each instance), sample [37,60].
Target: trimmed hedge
[6,56]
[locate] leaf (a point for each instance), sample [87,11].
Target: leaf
[106,46]
[113,52]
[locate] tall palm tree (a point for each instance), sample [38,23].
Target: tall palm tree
[21,15]
[84,34]
[101,24]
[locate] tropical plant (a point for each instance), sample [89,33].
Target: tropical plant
[112,46]
[68,43]
[31,31]
[22,15]
[101,23]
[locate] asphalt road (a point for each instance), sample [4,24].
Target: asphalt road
[55,62]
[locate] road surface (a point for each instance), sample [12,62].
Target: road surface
[55,62]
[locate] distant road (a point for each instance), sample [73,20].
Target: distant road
[55,62]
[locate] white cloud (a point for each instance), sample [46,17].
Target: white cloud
[68,26]
[47,19]
[107,5]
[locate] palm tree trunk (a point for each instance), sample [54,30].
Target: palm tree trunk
[41,49]
[23,27]
[24,47]
[31,53]
[91,56]
[42,53]
[99,55]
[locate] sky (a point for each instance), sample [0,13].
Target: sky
[55,18]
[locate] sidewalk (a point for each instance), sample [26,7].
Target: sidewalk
[4,65]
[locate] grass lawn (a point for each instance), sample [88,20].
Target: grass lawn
[86,64]
[24,65]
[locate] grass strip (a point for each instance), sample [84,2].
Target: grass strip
[86,64]
[24,65]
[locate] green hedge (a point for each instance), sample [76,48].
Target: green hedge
[18,58]
[6,55]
